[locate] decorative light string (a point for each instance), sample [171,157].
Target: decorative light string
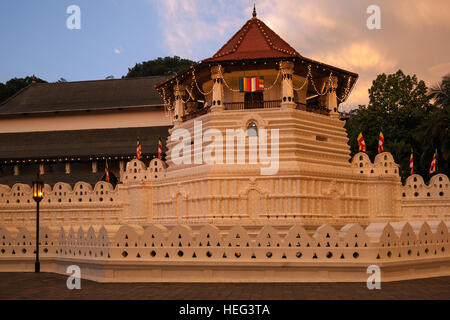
[276,80]
[181,96]
[238,90]
[346,91]
[167,102]
[225,82]
[327,84]
[169,105]
[198,87]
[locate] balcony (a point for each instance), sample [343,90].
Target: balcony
[270,104]
[312,106]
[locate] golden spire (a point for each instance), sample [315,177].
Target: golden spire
[254,10]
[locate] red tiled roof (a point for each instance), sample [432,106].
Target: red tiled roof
[253,41]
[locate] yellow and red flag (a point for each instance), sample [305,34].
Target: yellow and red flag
[159,148]
[380,142]
[138,150]
[107,172]
[361,143]
[411,162]
[433,163]
[251,84]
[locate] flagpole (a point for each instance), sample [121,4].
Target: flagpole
[436,164]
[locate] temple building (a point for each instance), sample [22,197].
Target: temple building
[67,131]
[257,183]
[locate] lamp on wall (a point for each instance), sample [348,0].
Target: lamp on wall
[38,194]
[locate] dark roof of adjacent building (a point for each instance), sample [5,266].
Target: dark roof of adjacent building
[93,95]
[80,143]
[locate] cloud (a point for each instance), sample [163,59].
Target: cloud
[195,28]
[419,14]
[440,69]
[358,55]
[117,51]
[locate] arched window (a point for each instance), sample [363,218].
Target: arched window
[252,130]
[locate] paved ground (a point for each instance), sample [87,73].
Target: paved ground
[53,286]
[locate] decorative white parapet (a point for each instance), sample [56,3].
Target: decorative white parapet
[62,204]
[383,165]
[130,253]
[421,201]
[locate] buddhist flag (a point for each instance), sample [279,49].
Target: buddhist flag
[411,162]
[433,163]
[107,172]
[159,148]
[361,143]
[138,150]
[380,142]
[251,84]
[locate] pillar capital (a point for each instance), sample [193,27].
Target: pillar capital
[287,67]
[179,89]
[216,72]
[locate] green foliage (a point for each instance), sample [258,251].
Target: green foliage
[15,85]
[400,106]
[441,92]
[434,131]
[159,67]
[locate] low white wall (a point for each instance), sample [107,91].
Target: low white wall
[131,253]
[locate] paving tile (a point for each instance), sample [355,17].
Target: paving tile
[53,286]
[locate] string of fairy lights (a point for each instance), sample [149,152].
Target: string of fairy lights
[170,104]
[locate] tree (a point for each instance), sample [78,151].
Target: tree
[441,92]
[14,85]
[159,67]
[398,104]
[434,132]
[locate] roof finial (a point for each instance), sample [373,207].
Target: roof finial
[33,79]
[254,10]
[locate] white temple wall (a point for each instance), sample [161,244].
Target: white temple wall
[131,253]
[149,196]
[420,201]
[122,119]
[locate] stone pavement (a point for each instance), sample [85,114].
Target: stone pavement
[53,286]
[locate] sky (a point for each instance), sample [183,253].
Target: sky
[114,35]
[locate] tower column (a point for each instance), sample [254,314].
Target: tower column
[330,100]
[94,166]
[217,94]
[287,90]
[179,90]
[67,167]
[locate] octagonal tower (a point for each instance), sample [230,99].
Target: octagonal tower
[257,137]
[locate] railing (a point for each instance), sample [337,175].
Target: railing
[270,104]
